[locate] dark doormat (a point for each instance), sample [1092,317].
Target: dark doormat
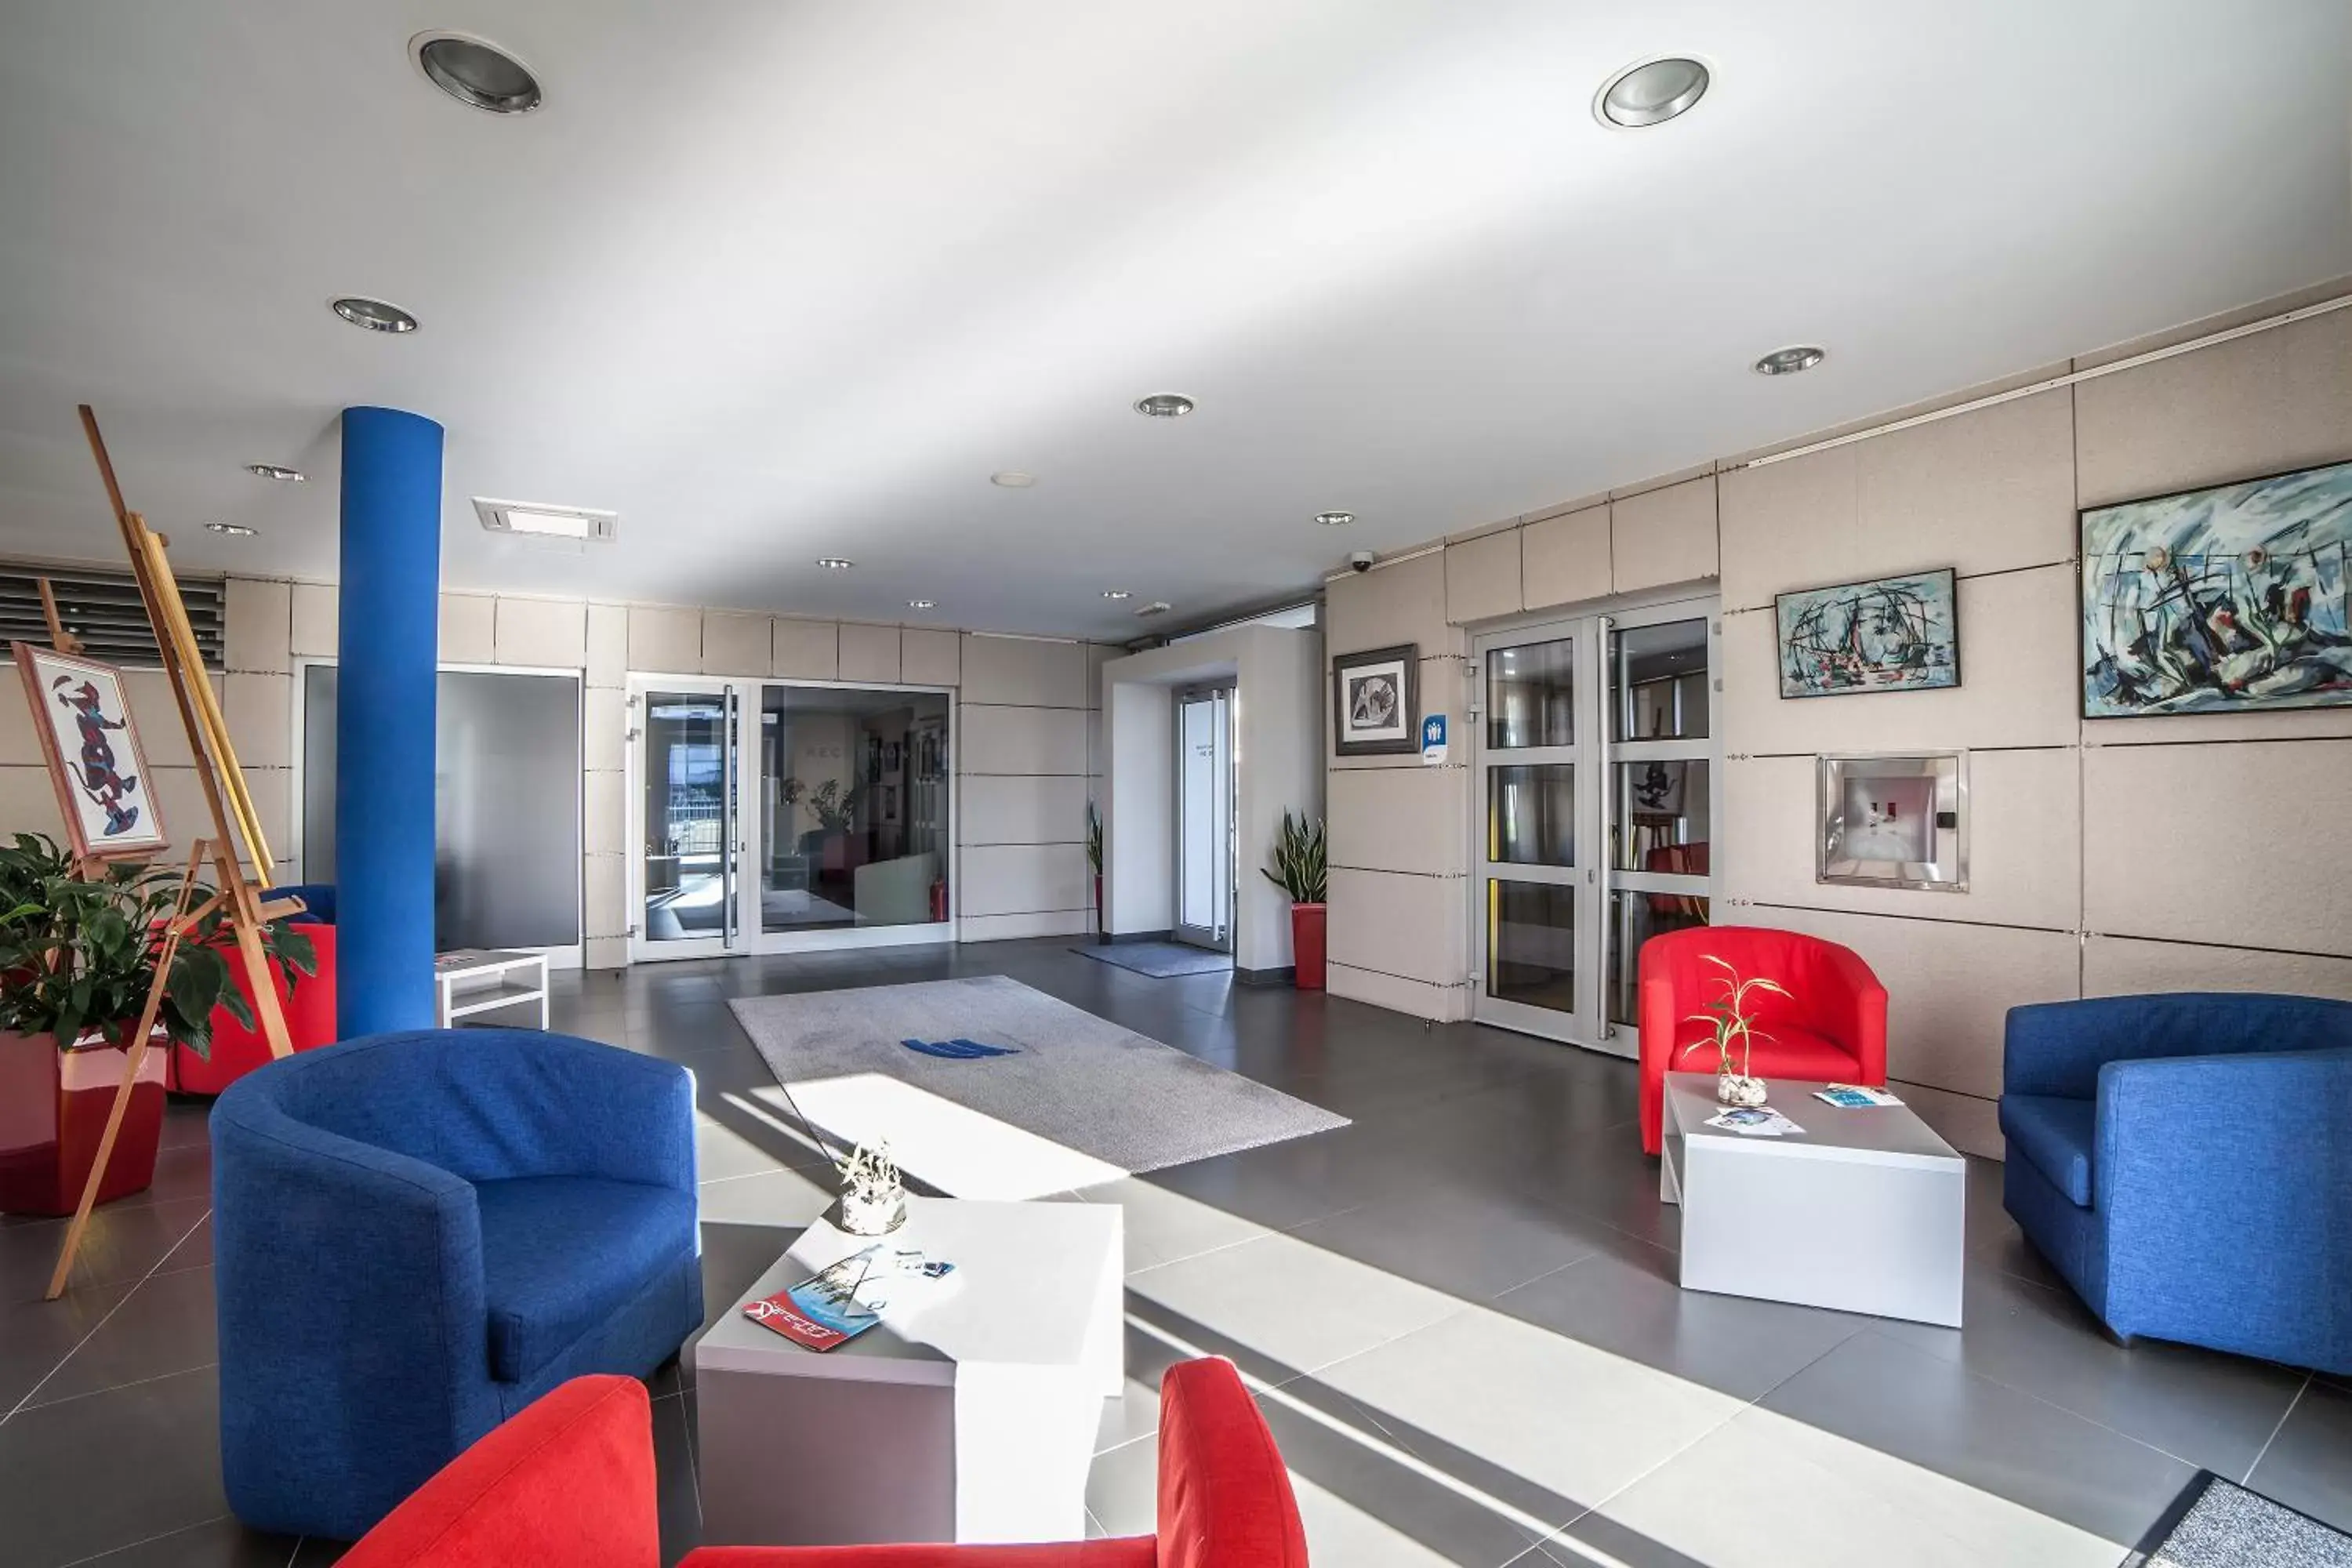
[2216,1523]
[1159,959]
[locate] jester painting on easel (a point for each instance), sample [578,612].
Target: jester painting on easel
[95,759]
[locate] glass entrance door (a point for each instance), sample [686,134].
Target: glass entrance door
[1205,819]
[685,754]
[1595,814]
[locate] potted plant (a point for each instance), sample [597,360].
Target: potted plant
[77,957]
[1298,870]
[1734,1029]
[1094,859]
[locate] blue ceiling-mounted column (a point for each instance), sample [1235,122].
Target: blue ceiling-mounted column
[383,722]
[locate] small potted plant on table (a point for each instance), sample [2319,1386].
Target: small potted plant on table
[1733,1030]
[79,951]
[1298,869]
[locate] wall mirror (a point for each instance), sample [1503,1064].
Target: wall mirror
[1895,821]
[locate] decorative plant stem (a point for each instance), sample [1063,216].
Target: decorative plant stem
[1728,1017]
[1298,867]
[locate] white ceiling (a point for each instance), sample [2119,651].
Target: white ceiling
[783,280]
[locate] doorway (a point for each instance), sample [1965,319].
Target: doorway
[1203,915]
[1595,814]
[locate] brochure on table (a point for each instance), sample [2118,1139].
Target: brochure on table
[1753,1121]
[846,1298]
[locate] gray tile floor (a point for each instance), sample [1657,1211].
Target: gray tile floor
[1460,1310]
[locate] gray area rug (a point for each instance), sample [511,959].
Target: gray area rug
[2224,1525]
[1159,959]
[1070,1095]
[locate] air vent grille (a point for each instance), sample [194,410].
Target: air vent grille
[103,609]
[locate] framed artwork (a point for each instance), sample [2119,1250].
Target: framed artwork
[2224,600]
[1375,703]
[83,717]
[1654,788]
[1894,822]
[1891,634]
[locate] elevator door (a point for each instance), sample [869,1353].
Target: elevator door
[1205,819]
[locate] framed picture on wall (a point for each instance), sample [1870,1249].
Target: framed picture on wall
[1891,634]
[91,746]
[1376,702]
[1894,822]
[2230,599]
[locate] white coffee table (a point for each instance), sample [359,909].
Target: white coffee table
[473,979]
[1864,1211]
[969,1419]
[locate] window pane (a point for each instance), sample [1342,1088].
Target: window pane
[1532,814]
[686,787]
[1658,683]
[1660,810]
[1531,695]
[854,807]
[1633,919]
[1531,943]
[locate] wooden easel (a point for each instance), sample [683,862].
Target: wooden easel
[234,819]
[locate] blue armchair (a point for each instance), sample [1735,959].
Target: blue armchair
[2186,1161]
[417,1235]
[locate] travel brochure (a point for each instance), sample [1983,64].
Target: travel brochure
[1753,1121]
[842,1299]
[1854,1097]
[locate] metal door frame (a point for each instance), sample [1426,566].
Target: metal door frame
[642,947]
[1218,938]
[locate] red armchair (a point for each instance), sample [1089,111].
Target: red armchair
[570,1481]
[310,1012]
[1830,1026]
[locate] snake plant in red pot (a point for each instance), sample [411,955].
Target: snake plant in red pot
[78,956]
[1298,869]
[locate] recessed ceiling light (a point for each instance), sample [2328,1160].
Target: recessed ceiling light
[1651,93]
[476,74]
[547,521]
[1335,518]
[374,315]
[278,471]
[234,530]
[1157,607]
[1164,405]
[922,603]
[1117,593]
[834,563]
[1789,361]
[1012,479]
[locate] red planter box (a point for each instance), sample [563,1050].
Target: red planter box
[53,1109]
[1306,944]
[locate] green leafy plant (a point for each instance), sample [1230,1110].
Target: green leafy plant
[1093,838]
[1728,1017]
[78,952]
[1298,867]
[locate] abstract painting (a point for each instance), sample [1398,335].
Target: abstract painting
[92,748]
[1373,700]
[2223,600]
[1895,634]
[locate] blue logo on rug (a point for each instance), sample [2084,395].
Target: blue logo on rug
[957,1050]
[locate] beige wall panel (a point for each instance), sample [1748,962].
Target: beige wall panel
[1024,878]
[1949,986]
[1391,605]
[1012,928]
[1410,819]
[1414,998]
[2247,841]
[1025,671]
[1664,536]
[1482,577]
[28,804]
[993,739]
[928,657]
[606,952]
[806,650]
[608,645]
[604,823]
[1100,654]
[999,808]
[1966,1121]
[317,616]
[735,644]
[2017,680]
[257,624]
[20,743]
[2125,966]
[603,728]
[2277,400]
[468,628]
[1444,688]
[1564,559]
[272,790]
[1410,927]
[605,895]
[180,798]
[665,640]
[550,634]
[1988,491]
[869,653]
[162,735]
[1097,759]
[2024,842]
[260,713]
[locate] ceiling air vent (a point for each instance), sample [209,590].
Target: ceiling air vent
[1157,607]
[103,609]
[574,523]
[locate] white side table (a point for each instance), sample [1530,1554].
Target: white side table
[480,980]
[971,1418]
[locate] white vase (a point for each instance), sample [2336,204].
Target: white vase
[873,1213]
[1738,1089]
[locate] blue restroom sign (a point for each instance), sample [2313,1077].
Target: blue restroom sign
[1433,739]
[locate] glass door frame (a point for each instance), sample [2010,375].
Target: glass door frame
[1218,937]
[745,936]
[642,947]
[1595,756]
